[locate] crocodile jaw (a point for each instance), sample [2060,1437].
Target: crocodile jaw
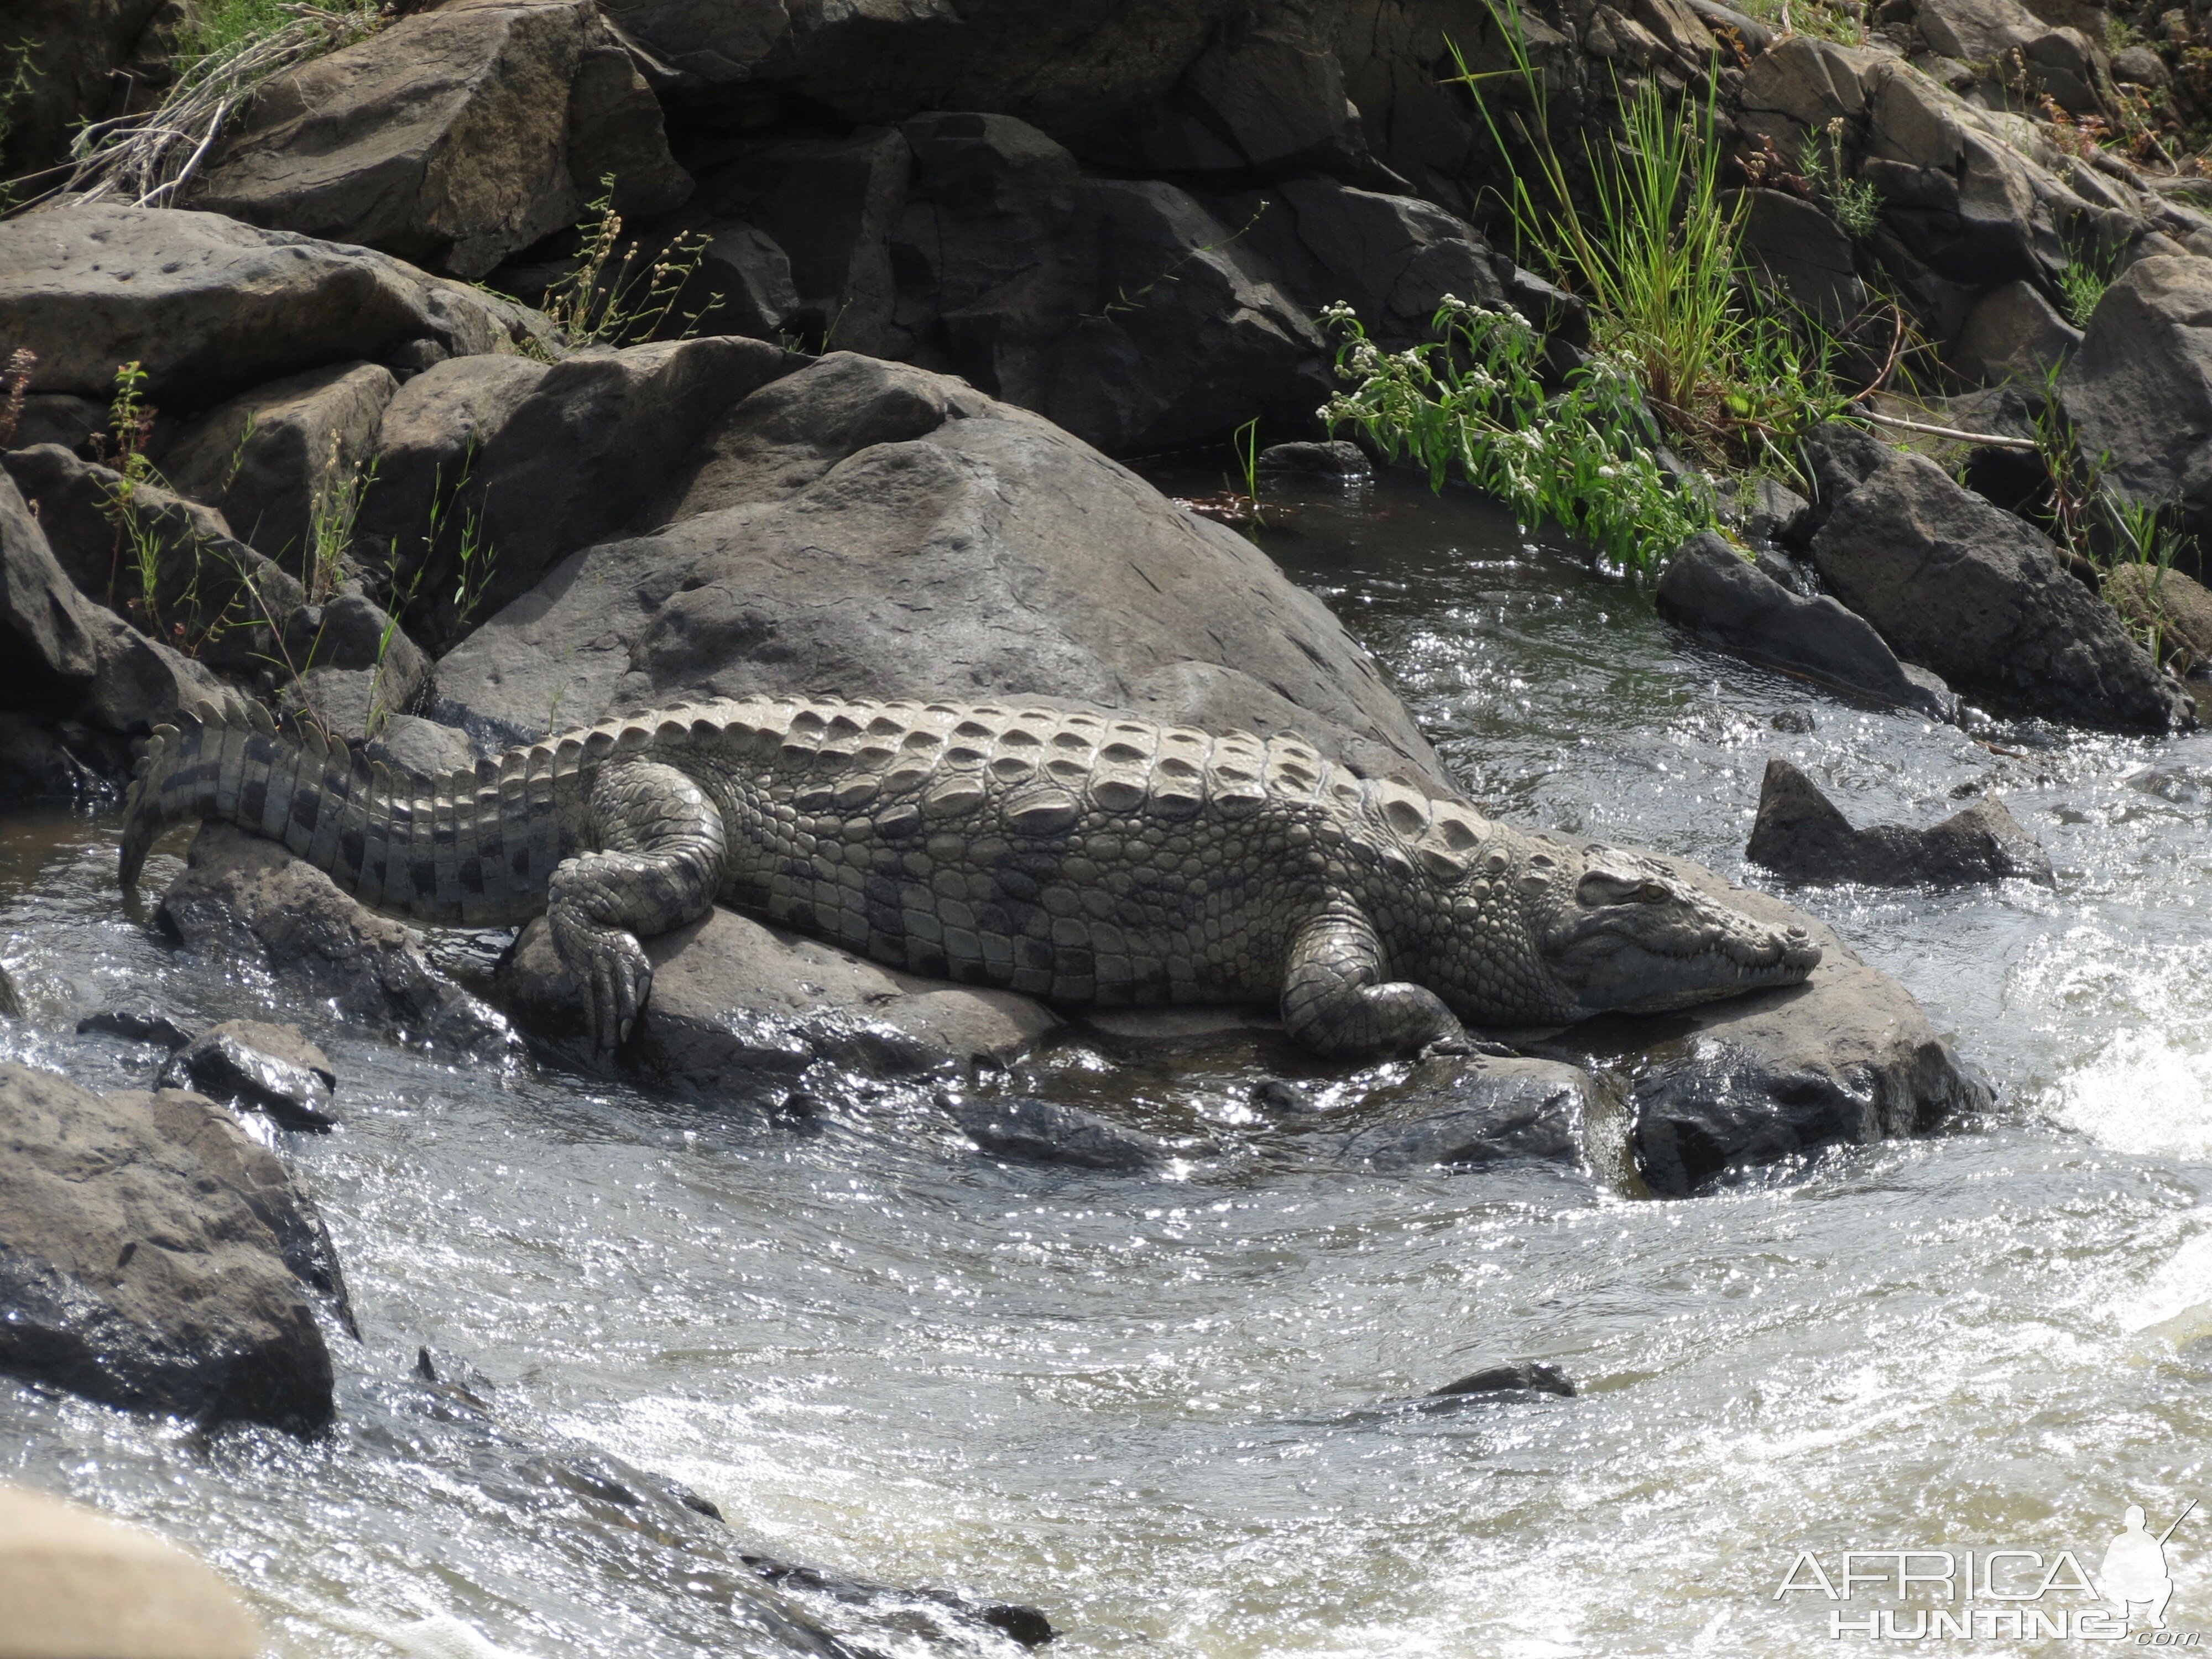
[1630,937]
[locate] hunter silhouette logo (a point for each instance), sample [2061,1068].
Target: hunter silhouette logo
[1993,1594]
[2133,1571]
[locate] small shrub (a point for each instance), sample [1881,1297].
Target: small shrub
[1855,203]
[1472,400]
[618,294]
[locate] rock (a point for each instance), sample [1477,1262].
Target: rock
[743,285]
[62,654]
[71,52]
[265,1068]
[1036,1131]
[2139,389]
[209,306]
[2176,606]
[274,458]
[76,1583]
[421,745]
[244,898]
[1802,251]
[35,764]
[2139,66]
[1477,1109]
[1779,516]
[1715,593]
[1976,30]
[1800,834]
[1335,460]
[213,596]
[55,417]
[528,461]
[867,529]
[452,138]
[1840,457]
[1265,97]
[358,669]
[11,999]
[2013,333]
[1024,1625]
[136,1025]
[1392,258]
[1979,597]
[1847,1056]
[734,998]
[138,1262]
[1520,1376]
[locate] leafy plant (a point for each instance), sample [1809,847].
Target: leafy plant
[1656,256]
[1245,446]
[1855,203]
[616,294]
[2088,274]
[330,520]
[1473,400]
[475,559]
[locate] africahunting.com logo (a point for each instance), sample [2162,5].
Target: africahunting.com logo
[2010,1594]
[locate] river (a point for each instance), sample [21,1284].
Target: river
[1166,1408]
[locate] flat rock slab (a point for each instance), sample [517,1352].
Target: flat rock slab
[248,898]
[151,1256]
[734,998]
[1800,833]
[263,1067]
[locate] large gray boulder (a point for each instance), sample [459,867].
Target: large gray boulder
[452,138]
[866,530]
[521,463]
[62,655]
[241,898]
[1725,599]
[1969,591]
[151,1256]
[2139,388]
[209,306]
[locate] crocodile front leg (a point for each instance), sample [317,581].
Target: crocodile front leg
[659,864]
[1336,1002]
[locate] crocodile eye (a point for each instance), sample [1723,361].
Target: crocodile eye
[1654,892]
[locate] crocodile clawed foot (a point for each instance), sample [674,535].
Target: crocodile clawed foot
[612,968]
[1461,1047]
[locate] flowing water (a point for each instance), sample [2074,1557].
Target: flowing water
[1166,1407]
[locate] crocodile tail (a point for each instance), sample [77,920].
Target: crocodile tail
[233,762]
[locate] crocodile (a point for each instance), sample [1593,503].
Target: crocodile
[1080,856]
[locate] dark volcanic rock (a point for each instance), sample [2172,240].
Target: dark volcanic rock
[1520,1376]
[1477,1109]
[267,1068]
[1800,833]
[1047,1132]
[245,897]
[453,138]
[1846,1056]
[1726,600]
[136,1025]
[1969,591]
[1337,459]
[143,1258]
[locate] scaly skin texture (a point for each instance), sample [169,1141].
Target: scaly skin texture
[1085,858]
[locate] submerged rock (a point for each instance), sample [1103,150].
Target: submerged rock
[1727,600]
[250,899]
[1336,460]
[1467,1110]
[1047,1132]
[151,1255]
[1800,833]
[266,1068]
[138,1025]
[1520,1376]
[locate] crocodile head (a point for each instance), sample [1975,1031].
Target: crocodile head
[1604,931]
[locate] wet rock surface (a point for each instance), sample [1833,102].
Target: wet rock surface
[1518,1377]
[1034,1130]
[143,1244]
[1462,1112]
[242,898]
[263,1067]
[1800,833]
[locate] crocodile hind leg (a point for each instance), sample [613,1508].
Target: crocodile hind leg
[1336,1002]
[660,857]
